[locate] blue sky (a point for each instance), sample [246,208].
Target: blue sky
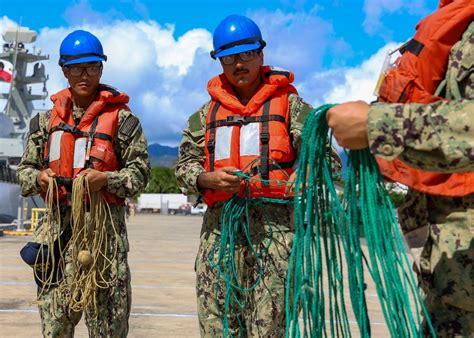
[158,50]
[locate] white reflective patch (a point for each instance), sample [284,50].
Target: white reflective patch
[223,142]
[80,152]
[250,140]
[55,146]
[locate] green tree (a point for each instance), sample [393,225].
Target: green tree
[397,193]
[162,180]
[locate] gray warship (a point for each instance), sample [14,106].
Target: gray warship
[15,117]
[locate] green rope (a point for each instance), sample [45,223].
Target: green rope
[235,230]
[328,231]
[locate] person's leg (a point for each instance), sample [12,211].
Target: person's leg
[272,236]
[449,321]
[56,319]
[114,301]
[210,288]
[447,266]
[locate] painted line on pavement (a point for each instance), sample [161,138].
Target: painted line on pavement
[167,315]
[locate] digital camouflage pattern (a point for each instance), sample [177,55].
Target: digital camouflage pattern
[114,302]
[263,309]
[439,137]
[264,313]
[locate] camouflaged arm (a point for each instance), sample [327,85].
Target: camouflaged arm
[133,152]
[32,160]
[437,136]
[191,152]
[299,110]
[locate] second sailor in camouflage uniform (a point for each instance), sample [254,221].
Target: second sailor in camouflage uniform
[244,79]
[439,137]
[113,302]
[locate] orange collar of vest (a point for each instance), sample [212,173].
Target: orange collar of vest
[106,95]
[221,90]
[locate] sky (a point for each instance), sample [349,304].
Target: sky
[158,51]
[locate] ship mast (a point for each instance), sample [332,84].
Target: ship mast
[14,120]
[20,98]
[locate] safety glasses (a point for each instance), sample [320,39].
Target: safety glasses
[244,56]
[78,71]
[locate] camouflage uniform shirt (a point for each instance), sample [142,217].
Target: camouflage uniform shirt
[440,230]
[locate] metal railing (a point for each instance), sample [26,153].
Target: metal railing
[36,214]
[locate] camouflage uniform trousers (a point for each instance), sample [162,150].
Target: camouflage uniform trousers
[264,312]
[113,303]
[444,230]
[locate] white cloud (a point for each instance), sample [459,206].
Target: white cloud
[359,82]
[6,23]
[298,41]
[166,75]
[345,84]
[375,9]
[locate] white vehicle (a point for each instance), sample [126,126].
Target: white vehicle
[163,203]
[199,210]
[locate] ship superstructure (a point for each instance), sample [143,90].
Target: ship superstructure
[28,77]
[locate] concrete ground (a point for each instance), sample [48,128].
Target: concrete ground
[162,253]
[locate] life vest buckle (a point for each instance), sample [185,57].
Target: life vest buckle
[211,145]
[236,119]
[70,129]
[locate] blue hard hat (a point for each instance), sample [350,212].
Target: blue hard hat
[236,34]
[80,46]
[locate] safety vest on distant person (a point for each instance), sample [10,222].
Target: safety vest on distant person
[89,144]
[253,138]
[417,74]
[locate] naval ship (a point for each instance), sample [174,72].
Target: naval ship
[28,76]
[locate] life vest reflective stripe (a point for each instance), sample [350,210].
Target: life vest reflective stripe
[419,71]
[71,149]
[255,140]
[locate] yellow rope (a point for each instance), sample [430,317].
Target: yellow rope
[89,244]
[92,246]
[48,234]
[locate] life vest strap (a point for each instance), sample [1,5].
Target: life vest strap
[74,130]
[211,144]
[413,46]
[264,140]
[244,120]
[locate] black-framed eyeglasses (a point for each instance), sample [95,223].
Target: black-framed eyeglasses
[90,70]
[244,56]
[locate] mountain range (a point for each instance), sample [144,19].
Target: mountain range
[162,156]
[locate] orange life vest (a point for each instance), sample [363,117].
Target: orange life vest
[418,73]
[253,138]
[89,144]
